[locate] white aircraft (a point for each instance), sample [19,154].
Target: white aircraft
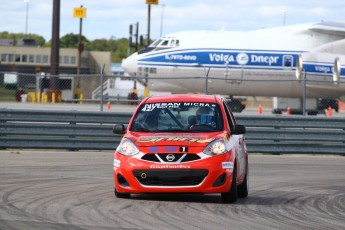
[265,62]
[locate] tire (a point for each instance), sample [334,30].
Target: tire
[244,187]
[275,111]
[231,195]
[121,195]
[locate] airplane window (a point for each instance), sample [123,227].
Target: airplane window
[172,43]
[160,44]
[165,43]
[287,60]
[155,43]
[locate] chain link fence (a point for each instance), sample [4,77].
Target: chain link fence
[100,88]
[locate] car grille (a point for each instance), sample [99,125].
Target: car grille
[163,157]
[181,177]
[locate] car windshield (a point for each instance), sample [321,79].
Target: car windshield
[178,117]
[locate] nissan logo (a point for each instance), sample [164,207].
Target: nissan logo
[143,175]
[170,157]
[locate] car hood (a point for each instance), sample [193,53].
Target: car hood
[177,139]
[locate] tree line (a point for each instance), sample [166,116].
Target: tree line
[117,47]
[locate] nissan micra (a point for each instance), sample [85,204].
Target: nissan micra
[182,144]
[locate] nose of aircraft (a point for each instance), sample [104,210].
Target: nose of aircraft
[130,64]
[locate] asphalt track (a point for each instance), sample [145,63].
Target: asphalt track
[74,190]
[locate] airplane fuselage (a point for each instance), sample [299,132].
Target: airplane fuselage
[256,63]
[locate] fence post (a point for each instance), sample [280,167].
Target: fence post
[102,71]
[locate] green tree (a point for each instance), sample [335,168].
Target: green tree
[121,50]
[117,47]
[71,41]
[39,39]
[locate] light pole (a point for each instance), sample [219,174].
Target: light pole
[149,3]
[284,16]
[163,5]
[148,23]
[27,15]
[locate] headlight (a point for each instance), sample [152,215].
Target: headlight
[127,147]
[215,148]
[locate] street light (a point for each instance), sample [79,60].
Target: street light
[27,15]
[163,5]
[284,16]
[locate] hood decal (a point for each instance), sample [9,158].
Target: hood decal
[186,139]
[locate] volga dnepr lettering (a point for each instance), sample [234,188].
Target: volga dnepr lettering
[229,58]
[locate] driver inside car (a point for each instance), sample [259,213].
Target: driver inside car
[204,116]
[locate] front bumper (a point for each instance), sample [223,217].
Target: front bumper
[207,175]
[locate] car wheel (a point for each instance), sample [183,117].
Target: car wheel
[243,188]
[121,195]
[231,195]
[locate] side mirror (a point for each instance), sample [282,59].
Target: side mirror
[239,129]
[120,128]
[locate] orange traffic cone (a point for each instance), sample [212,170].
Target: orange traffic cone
[260,109]
[108,105]
[288,111]
[329,111]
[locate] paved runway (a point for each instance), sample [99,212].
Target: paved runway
[69,106]
[124,107]
[74,190]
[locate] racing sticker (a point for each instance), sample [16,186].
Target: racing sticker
[116,163]
[159,166]
[227,165]
[150,107]
[188,139]
[175,105]
[226,136]
[168,149]
[184,149]
[198,104]
[153,149]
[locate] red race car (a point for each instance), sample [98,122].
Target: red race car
[182,144]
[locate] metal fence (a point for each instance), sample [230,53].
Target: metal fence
[99,88]
[75,130]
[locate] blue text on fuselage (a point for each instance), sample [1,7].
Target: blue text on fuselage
[253,58]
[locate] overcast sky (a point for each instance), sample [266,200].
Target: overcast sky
[111,18]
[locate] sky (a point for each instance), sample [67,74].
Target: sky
[111,18]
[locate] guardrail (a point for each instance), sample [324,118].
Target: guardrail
[77,130]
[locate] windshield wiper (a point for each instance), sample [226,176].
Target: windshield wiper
[141,129]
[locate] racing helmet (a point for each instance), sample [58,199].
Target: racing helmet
[205,115]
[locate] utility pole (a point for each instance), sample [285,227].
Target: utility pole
[284,17]
[54,56]
[161,30]
[80,13]
[148,23]
[136,35]
[27,16]
[149,3]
